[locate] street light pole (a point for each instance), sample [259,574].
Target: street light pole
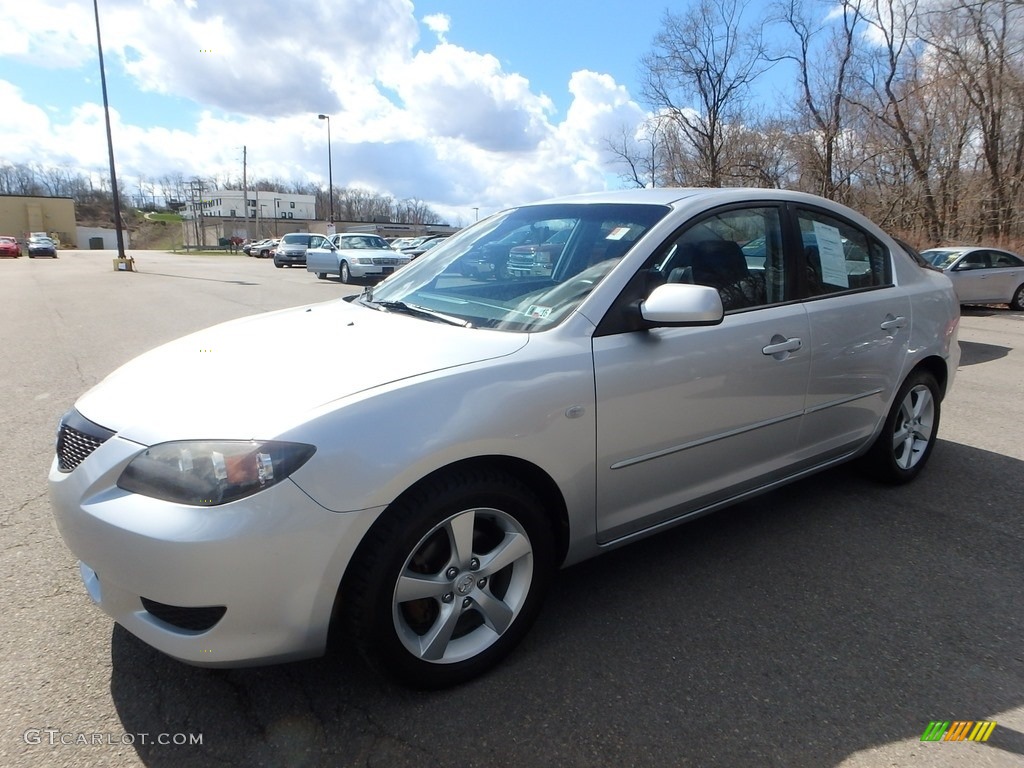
[330,164]
[110,140]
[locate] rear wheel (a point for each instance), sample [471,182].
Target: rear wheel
[1017,302]
[908,435]
[449,579]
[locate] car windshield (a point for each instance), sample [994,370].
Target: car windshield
[939,257]
[361,241]
[467,277]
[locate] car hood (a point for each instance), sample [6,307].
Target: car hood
[354,253]
[259,376]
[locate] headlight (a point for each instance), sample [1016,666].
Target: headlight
[364,260]
[206,473]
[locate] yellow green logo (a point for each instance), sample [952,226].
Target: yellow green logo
[958,730]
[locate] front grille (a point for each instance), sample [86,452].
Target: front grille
[193,619]
[77,438]
[387,261]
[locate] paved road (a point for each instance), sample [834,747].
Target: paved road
[822,625]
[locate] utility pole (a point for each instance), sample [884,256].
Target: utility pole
[245,193]
[110,140]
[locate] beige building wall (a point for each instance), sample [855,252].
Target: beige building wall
[20,215]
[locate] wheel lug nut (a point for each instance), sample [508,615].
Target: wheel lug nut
[482,583]
[474,563]
[448,597]
[451,573]
[466,602]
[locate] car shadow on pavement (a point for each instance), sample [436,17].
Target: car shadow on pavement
[974,352]
[802,628]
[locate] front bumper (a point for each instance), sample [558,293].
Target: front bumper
[290,258]
[273,560]
[369,270]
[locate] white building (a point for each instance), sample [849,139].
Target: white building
[263,206]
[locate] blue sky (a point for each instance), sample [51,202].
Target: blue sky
[463,104]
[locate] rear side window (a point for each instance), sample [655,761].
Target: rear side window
[838,256]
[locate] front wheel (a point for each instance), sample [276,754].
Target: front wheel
[1017,302]
[321,275]
[449,579]
[344,273]
[908,435]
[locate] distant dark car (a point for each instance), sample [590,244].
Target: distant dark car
[9,246]
[41,246]
[425,246]
[982,275]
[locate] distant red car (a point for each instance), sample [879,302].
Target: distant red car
[9,246]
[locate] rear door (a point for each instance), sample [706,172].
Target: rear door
[859,330]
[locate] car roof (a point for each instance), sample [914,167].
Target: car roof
[673,196]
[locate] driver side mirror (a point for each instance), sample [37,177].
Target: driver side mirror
[682,304]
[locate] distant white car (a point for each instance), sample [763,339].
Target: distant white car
[438,446]
[354,255]
[982,275]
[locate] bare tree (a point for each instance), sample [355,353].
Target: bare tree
[823,71]
[889,79]
[981,44]
[640,151]
[699,73]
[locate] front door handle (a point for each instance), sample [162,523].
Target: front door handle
[780,345]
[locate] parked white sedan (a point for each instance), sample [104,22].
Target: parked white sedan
[982,275]
[354,255]
[449,441]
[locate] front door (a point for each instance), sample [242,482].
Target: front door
[690,416]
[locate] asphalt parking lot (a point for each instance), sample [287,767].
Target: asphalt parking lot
[825,624]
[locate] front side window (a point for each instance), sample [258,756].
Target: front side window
[523,270]
[837,256]
[737,252]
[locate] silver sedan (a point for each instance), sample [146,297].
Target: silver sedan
[354,256]
[452,437]
[982,275]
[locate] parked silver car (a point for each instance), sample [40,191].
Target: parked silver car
[354,255]
[448,442]
[982,275]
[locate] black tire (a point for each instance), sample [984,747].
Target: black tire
[279,265]
[908,434]
[476,609]
[344,273]
[1017,302]
[321,275]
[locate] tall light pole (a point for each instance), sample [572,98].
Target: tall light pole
[110,140]
[330,165]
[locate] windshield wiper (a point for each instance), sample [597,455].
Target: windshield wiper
[416,311]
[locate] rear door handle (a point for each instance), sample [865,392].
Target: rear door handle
[892,323]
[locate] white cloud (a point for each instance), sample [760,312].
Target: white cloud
[445,125]
[439,24]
